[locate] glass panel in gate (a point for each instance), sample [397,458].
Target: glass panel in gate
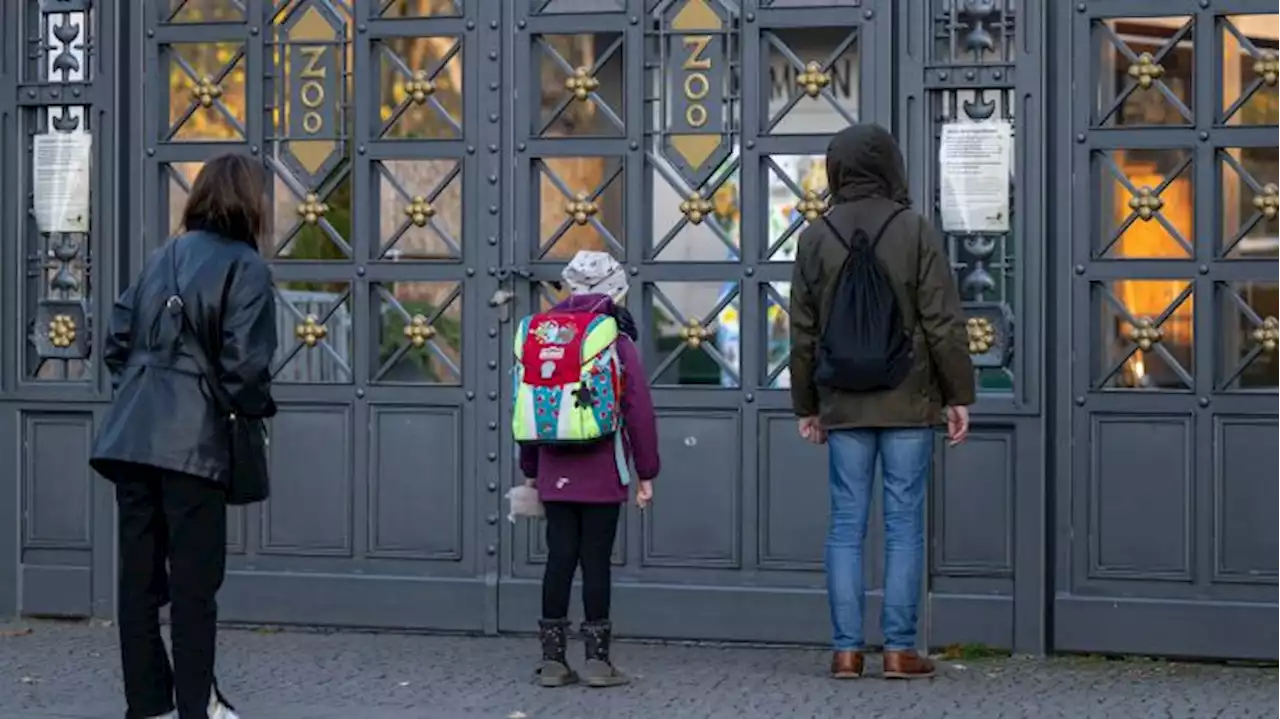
[365,138]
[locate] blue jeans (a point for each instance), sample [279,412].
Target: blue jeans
[906,456]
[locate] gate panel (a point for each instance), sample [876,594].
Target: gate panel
[1173,306]
[365,118]
[59,158]
[686,138]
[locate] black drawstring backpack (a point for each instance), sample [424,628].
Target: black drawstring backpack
[864,346]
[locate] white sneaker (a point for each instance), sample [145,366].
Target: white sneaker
[218,708]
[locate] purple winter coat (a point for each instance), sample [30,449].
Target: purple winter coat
[589,474]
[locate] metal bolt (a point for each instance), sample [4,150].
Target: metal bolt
[1204,401]
[253,150]
[360,271]
[868,14]
[1080,137]
[493,395]
[253,30]
[633,20]
[1079,269]
[493,117]
[362,27]
[471,272]
[943,75]
[493,209]
[521,23]
[362,149]
[491,519]
[493,240]
[491,550]
[1080,7]
[749,272]
[749,398]
[751,144]
[493,24]
[493,426]
[493,149]
[1080,400]
[151,32]
[1204,269]
[494,86]
[493,331]
[151,151]
[1204,3]
[635,271]
[970,75]
[493,54]
[470,395]
[471,149]
[360,392]
[751,17]
[493,364]
[492,457]
[1204,137]
[634,145]
[520,147]
[492,486]
[493,179]
[471,24]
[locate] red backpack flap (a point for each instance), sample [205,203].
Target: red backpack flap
[552,354]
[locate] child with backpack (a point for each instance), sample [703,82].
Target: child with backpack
[584,420]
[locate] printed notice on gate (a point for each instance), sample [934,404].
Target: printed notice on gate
[974,162]
[60,181]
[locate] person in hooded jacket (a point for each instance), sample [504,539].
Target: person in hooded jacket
[164,442]
[582,490]
[868,185]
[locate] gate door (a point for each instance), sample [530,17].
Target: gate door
[1171,543]
[363,116]
[686,137]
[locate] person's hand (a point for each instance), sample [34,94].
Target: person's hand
[811,430]
[957,425]
[644,493]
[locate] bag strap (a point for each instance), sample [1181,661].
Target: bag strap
[177,306]
[848,245]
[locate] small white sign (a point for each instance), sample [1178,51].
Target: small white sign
[60,181]
[974,164]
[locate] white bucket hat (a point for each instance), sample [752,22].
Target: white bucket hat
[595,273]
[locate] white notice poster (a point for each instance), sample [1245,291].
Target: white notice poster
[60,181]
[974,162]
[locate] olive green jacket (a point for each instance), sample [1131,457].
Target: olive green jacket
[864,170]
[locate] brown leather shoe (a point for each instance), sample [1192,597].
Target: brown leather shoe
[906,665]
[846,665]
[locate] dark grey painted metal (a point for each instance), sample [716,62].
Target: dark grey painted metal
[1142,517]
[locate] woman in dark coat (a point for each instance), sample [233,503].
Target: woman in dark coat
[164,441]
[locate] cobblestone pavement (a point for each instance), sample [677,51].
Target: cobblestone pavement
[71,671]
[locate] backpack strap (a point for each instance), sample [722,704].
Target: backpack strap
[875,242]
[879,235]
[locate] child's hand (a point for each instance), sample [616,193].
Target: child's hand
[644,493]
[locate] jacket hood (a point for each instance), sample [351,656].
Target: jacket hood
[864,161]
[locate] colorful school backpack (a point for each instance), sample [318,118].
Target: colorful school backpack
[568,378]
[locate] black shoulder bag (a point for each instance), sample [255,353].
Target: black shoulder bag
[247,441]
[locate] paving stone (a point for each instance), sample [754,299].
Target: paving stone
[71,671]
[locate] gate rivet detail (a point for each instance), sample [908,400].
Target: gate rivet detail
[1268,335]
[493,331]
[868,14]
[749,397]
[751,17]
[1146,70]
[581,83]
[493,54]
[253,150]
[493,395]
[696,208]
[1204,136]
[633,20]
[360,271]
[471,272]
[492,486]
[1204,401]
[1204,3]
[493,179]
[1266,65]
[491,550]
[420,211]
[360,393]
[813,80]
[1080,7]
[361,149]
[151,32]
[470,395]
[492,457]
[362,27]
[581,209]
[521,23]
[493,426]
[312,209]
[62,331]
[206,92]
[418,331]
[1079,269]
[1146,203]
[1268,203]
[519,148]
[982,335]
[812,205]
[1080,137]
[471,149]
[310,331]
[493,364]
[693,333]
[151,151]
[492,519]
[1204,269]
[419,87]
[635,271]
[1080,401]
[1146,334]
[493,24]
[471,24]
[253,30]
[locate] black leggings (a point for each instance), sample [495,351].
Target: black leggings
[583,534]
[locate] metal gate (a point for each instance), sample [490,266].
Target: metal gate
[1168,303]
[433,164]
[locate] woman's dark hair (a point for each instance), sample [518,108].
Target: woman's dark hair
[228,198]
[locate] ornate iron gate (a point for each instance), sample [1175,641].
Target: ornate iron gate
[433,164]
[1166,498]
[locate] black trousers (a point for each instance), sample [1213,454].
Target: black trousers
[579,534]
[173,539]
